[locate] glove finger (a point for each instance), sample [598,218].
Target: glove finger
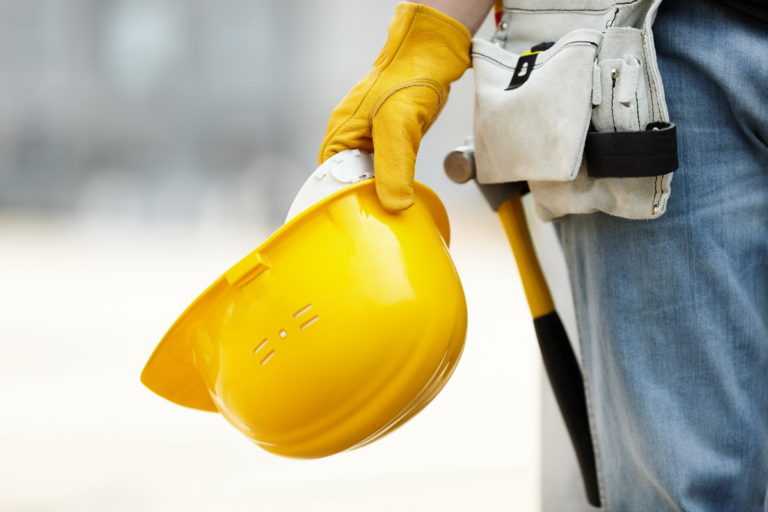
[347,128]
[398,127]
[352,134]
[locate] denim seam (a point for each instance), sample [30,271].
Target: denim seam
[595,445]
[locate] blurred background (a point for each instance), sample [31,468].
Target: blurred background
[145,146]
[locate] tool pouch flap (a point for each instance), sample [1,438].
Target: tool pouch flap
[533,110]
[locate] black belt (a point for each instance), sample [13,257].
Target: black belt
[652,152]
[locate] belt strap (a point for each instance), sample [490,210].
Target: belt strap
[652,152]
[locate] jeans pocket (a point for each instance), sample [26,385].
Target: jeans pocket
[533,110]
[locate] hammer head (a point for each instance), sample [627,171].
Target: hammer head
[459,165]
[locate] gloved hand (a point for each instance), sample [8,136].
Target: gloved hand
[389,111]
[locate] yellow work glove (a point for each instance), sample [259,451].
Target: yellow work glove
[390,110]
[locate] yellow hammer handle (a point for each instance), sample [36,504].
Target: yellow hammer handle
[515,226]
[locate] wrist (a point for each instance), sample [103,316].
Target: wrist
[470,13]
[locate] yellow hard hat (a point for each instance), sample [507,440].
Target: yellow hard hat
[345,323]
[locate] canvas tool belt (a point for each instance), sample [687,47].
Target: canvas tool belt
[569,98]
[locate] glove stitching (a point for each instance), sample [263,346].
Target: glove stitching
[379,72]
[420,82]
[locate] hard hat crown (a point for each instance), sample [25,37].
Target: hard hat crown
[342,325]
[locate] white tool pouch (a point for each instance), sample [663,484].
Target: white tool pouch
[570,99]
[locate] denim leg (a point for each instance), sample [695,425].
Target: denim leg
[673,312]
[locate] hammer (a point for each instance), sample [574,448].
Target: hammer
[560,362]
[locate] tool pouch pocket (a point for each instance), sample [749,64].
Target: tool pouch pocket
[629,137]
[631,148]
[533,110]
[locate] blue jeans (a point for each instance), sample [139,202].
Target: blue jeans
[673,313]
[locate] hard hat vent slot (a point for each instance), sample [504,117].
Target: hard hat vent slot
[301,311]
[309,322]
[260,345]
[267,357]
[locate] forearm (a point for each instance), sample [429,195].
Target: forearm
[471,13]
